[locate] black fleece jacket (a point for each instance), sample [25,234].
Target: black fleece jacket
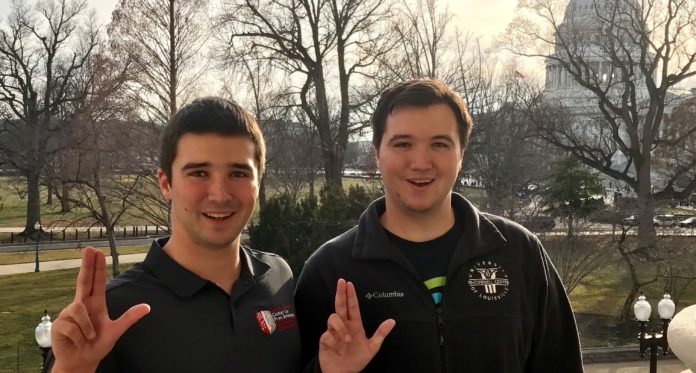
[504,308]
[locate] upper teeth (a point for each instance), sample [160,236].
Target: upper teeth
[218,216]
[421,181]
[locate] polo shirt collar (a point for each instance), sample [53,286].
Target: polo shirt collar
[185,283]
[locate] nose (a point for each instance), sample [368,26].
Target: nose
[218,189]
[421,158]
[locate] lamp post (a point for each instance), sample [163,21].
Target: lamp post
[37,230]
[43,336]
[653,340]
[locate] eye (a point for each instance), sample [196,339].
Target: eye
[441,144]
[198,173]
[402,144]
[239,174]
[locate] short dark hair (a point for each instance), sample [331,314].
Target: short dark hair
[420,93]
[210,115]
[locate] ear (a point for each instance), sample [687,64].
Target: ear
[164,184]
[461,159]
[375,152]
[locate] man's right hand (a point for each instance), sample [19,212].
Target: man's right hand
[83,334]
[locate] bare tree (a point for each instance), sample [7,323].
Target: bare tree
[678,145]
[421,27]
[314,41]
[624,58]
[577,258]
[265,94]
[164,38]
[41,50]
[106,134]
[503,150]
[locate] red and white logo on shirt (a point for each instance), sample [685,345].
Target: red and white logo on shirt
[276,319]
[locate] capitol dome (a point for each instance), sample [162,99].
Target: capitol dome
[585,35]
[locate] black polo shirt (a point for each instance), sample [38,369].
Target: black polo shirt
[195,326]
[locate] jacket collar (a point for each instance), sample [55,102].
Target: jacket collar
[480,236]
[185,283]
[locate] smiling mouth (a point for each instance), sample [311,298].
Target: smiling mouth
[217,216]
[421,182]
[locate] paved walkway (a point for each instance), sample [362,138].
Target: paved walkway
[11,269]
[663,366]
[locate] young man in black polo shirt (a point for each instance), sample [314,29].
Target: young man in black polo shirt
[200,302]
[469,291]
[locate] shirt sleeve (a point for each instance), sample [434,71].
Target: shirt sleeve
[555,345]
[108,365]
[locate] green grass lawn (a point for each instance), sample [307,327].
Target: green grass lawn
[48,255]
[599,298]
[23,298]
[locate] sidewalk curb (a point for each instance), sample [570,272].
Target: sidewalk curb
[600,355]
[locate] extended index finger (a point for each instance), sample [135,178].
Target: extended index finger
[353,306]
[88,274]
[340,302]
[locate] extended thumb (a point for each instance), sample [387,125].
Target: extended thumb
[130,317]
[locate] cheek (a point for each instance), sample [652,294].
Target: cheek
[247,192]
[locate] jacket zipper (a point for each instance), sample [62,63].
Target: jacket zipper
[441,337]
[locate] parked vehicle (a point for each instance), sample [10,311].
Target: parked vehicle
[688,222]
[540,223]
[630,220]
[665,221]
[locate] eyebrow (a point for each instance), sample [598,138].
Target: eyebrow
[398,137]
[197,165]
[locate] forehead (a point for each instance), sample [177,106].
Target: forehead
[214,149]
[427,121]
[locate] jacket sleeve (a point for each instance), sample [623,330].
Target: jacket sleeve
[314,305]
[555,345]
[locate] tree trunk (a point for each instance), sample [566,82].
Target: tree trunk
[571,229]
[646,209]
[106,221]
[636,285]
[626,310]
[334,172]
[65,199]
[333,161]
[310,179]
[33,200]
[49,194]
[115,269]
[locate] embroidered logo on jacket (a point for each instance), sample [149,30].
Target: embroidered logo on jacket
[276,319]
[488,280]
[384,294]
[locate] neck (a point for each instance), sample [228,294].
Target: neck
[219,265]
[418,226]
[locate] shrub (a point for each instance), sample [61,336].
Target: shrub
[294,228]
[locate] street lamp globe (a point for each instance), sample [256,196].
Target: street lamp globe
[43,331]
[666,307]
[642,309]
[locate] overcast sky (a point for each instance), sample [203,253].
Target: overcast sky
[483,17]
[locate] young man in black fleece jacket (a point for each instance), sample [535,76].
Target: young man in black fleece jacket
[469,291]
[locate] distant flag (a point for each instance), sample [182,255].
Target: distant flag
[519,75]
